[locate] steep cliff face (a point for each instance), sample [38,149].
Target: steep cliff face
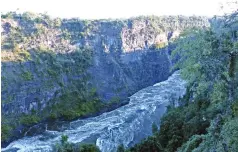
[130,54]
[44,59]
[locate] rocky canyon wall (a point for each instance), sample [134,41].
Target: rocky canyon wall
[44,59]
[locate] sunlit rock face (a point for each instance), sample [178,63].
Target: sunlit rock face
[126,125]
[143,35]
[135,53]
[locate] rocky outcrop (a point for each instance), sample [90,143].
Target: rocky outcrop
[127,55]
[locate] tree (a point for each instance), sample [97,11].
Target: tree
[64,139]
[209,56]
[121,148]
[155,129]
[231,49]
[150,144]
[88,148]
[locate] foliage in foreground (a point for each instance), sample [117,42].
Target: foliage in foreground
[207,118]
[65,146]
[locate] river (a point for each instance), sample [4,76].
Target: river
[125,125]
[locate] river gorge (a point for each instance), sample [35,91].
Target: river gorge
[126,125]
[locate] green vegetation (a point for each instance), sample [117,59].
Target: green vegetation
[57,22]
[5,131]
[206,119]
[8,15]
[28,16]
[65,146]
[177,126]
[81,107]
[235,108]
[4,84]
[193,142]
[52,72]
[29,119]
[27,76]
[88,148]
[43,48]
[25,54]
[40,29]
[34,58]
[121,148]
[159,45]
[30,31]
[172,23]
[149,144]
[154,128]
[114,99]
[66,35]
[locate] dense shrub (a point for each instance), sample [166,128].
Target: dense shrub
[27,76]
[121,148]
[29,119]
[190,145]
[65,146]
[235,108]
[149,144]
[5,131]
[72,105]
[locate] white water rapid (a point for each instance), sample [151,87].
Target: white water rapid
[126,125]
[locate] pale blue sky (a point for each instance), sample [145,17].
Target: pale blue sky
[94,9]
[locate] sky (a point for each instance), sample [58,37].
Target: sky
[103,9]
